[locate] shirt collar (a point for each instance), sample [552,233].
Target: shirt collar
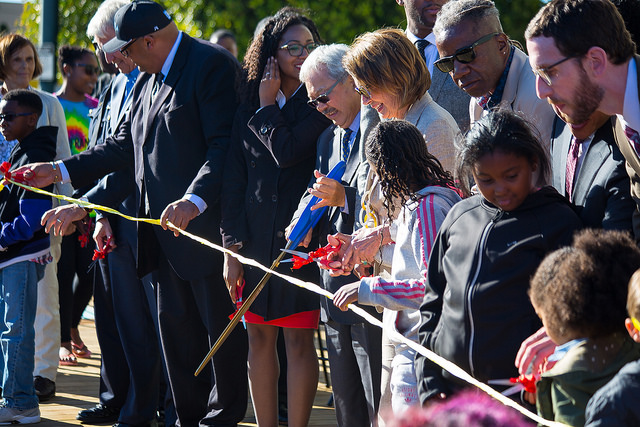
[166,67]
[281,99]
[491,100]
[631,107]
[355,125]
[563,349]
[133,74]
[431,38]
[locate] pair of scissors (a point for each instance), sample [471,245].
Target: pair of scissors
[239,301]
[300,259]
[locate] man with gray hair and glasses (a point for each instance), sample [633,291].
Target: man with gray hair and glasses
[354,346]
[486,64]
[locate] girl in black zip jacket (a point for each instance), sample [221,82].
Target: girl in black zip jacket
[476,311]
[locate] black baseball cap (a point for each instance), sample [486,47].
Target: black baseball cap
[136,19]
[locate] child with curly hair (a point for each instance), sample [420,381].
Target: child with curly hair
[409,173]
[580,292]
[616,403]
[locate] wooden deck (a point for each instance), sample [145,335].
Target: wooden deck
[77,389]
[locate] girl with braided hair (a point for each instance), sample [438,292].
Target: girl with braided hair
[408,173]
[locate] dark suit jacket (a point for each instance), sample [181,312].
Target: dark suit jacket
[601,190]
[449,96]
[176,146]
[117,189]
[633,162]
[272,155]
[334,220]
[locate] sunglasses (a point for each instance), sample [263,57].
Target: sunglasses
[296,49]
[543,73]
[9,117]
[463,55]
[89,69]
[124,50]
[363,91]
[324,98]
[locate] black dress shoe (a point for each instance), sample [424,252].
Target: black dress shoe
[153,423]
[45,388]
[99,414]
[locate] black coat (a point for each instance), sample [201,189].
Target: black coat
[476,311]
[271,158]
[175,146]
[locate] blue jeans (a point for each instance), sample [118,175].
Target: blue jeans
[18,300]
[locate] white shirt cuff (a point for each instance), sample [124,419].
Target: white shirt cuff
[64,173]
[345,208]
[196,200]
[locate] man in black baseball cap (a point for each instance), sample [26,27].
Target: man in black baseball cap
[135,20]
[175,139]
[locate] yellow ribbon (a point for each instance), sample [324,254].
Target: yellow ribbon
[440,361]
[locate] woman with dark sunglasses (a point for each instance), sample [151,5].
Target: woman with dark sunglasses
[271,160]
[80,71]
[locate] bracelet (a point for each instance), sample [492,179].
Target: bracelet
[55,175]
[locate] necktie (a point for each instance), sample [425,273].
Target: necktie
[572,164]
[422,45]
[346,148]
[157,82]
[634,138]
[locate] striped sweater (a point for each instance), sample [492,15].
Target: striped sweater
[418,225]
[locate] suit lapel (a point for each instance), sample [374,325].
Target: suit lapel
[117,98]
[353,160]
[169,83]
[593,160]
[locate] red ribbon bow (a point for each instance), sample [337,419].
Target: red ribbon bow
[100,253]
[322,253]
[5,169]
[527,381]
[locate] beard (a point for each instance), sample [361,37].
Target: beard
[587,99]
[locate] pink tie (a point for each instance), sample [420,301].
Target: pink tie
[634,138]
[572,164]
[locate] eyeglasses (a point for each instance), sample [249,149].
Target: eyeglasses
[543,73]
[363,91]
[89,69]
[124,50]
[9,117]
[96,47]
[464,55]
[296,49]
[324,98]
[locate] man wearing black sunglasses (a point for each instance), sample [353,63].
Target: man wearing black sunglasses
[486,64]
[354,346]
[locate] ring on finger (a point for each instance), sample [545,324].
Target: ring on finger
[364,262]
[58,220]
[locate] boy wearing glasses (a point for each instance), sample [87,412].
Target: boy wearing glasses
[486,64]
[24,251]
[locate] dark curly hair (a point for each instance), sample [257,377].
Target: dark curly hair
[70,54]
[265,45]
[396,150]
[505,131]
[582,290]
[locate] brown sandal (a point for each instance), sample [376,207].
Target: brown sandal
[80,350]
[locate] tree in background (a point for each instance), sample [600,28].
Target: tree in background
[339,21]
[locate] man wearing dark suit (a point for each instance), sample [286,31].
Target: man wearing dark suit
[175,138]
[353,345]
[421,16]
[587,156]
[130,358]
[598,70]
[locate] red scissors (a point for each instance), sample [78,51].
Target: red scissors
[300,259]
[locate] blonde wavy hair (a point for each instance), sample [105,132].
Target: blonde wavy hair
[385,60]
